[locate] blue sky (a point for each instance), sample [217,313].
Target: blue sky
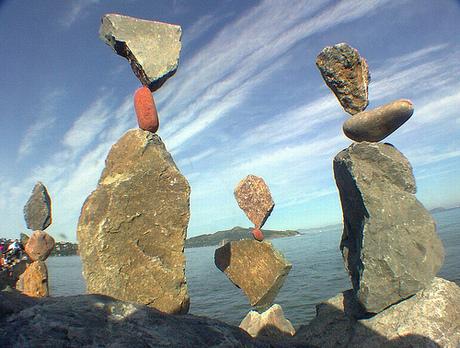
[247,99]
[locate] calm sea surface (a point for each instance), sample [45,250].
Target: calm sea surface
[317,274]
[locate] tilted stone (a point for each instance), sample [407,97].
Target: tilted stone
[152,48]
[389,242]
[132,228]
[39,246]
[375,125]
[37,211]
[255,267]
[346,73]
[254,198]
[271,323]
[34,281]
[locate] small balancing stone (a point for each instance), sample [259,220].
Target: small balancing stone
[146,111]
[257,234]
[375,125]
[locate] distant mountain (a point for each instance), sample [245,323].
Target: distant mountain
[236,233]
[321,229]
[441,209]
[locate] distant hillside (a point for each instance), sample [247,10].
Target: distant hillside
[442,209]
[235,233]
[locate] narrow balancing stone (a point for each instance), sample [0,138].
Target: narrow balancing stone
[146,111]
[257,234]
[375,125]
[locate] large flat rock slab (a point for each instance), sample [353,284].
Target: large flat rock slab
[132,228]
[255,267]
[389,242]
[152,48]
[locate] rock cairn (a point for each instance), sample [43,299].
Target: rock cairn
[255,266]
[37,214]
[132,228]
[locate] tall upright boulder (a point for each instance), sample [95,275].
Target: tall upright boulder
[132,228]
[389,243]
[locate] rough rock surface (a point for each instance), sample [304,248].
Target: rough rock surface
[346,73]
[255,267]
[389,242]
[39,246]
[132,228]
[101,321]
[431,318]
[10,277]
[34,281]
[254,198]
[375,125]
[152,48]
[271,323]
[146,111]
[37,211]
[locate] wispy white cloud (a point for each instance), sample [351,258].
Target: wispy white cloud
[77,9]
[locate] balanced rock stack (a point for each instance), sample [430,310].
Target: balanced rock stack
[389,243]
[256,266]
[132,228]
[37,214]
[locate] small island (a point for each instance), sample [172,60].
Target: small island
[236,233]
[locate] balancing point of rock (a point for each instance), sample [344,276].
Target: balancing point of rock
[346,73]
[34,280]
[389,243]
[39,246]
[37,211]
[271,323]
[375,125]
[146,111]
[152,48]
[132,228]
[254,198]
[257,234]
[255,267]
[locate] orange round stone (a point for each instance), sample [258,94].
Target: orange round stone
[146,111]
[257,234]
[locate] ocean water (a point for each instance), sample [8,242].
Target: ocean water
[317,274]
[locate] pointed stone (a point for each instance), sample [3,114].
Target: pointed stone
[254,198]
[346,73]
[132,228]
[255,267]
[271,323]
[389,242]
[152,48]
[37,211]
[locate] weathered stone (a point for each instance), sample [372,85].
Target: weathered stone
[346,73]
[389,243]
[24,238]
[375,125]
[255,267]
[132,228]
[37,211]
[39,246]
[254,198]
[271,323]
[431,318]
[152,48]
[34,280]
[257,234]
[146,111]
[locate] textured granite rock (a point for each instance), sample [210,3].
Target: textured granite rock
[431,318]
[34,281]
[255,267]
[132,228]
[389,242]
[101,321]
[375,125]
[346,73]
[271,323]
[39,246]
[37,211]
[146,111]
[254,198]
[152,48]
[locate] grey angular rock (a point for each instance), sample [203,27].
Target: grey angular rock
[346,73]
[375,125]
[431,318]
[389,242]
[132,228]
[152,48]
[255,267]
[271,323]
[37,211]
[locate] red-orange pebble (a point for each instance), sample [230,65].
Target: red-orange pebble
[146,111]
[257,234]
